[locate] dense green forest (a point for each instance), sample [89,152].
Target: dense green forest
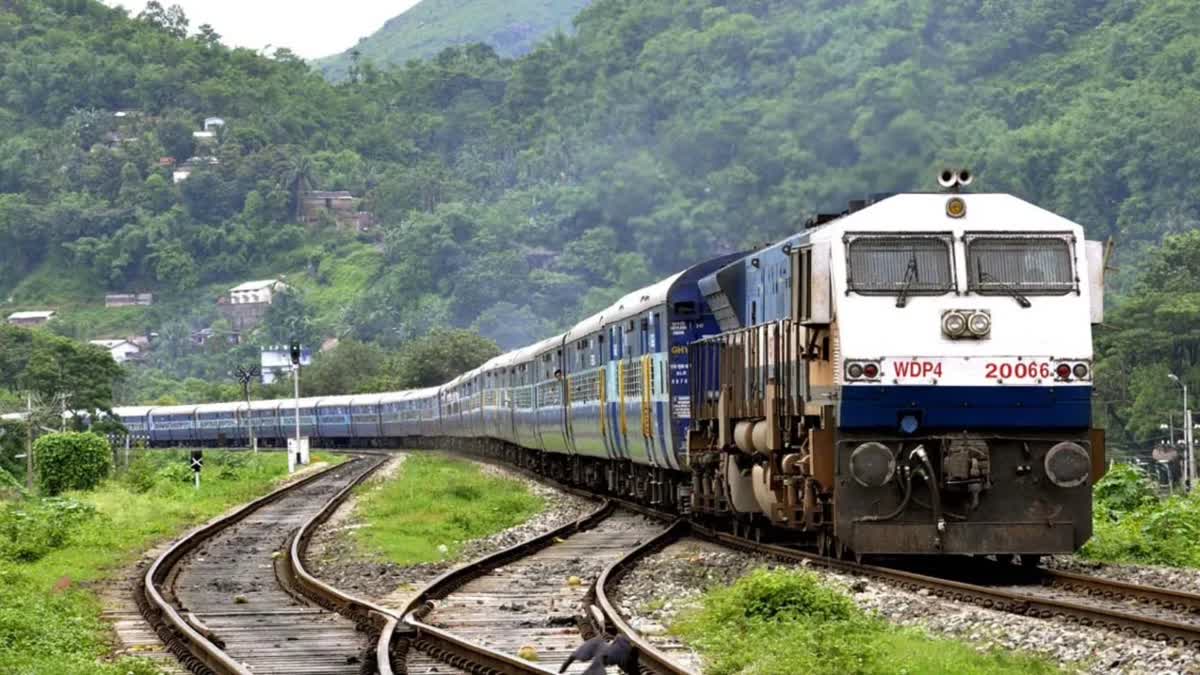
[516,196]
[511,27]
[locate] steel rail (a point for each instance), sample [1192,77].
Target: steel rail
[1180,601]
[191,646]
[368,616]
[648,654]
[1162,630]
[457,651]
[1015,602]
[191,641]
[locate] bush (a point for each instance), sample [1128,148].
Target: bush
[176,472]
[71,461]
[30,530]
[141,474]
[1123,489]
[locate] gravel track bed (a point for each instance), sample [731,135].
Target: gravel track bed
[1174,578]
[336,559]
[661,586]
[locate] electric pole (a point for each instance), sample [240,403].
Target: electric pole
[29,442]
[245,375]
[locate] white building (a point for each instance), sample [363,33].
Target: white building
[253,292]
[121,350]
[276,362]
[213,123]
[30,319]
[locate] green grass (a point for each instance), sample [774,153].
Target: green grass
[43,630]
[435,502]
[775,622]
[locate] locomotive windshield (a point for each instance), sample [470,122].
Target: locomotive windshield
[901,265]
[998,264]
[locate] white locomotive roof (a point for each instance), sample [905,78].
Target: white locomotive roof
[927,212]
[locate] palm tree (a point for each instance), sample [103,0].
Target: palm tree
[297,179]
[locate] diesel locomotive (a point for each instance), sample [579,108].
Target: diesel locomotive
[910,376]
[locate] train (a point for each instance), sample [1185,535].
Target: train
[909,376]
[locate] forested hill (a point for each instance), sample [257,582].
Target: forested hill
[515,196]
[511,27]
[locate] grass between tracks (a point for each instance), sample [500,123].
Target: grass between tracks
[438,502]
[53,550]
[775,622]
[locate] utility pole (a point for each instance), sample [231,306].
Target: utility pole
[29,442]
[245,375]
[1189,463]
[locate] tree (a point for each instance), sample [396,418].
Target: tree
[175,135]
[289,317]
[297,178]
[347,369]
[441,356]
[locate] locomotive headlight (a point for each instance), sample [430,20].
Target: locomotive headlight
[1068,464]
[854,370]
[980,324]
[954,324]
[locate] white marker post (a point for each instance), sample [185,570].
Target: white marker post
[197,465]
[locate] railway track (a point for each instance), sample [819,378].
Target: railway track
[1084,600]
[476,618]
[1147,612]
[537,594]
[229,596]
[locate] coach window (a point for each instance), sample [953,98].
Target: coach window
[901,265]
[1001,264]
[644,333]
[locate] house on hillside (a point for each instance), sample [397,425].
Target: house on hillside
[246,304]
[184,170]
[128,299]
[341,205]
[213,123]
[32,319]
[121,350]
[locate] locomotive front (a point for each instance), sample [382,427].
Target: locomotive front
[964,378]
[913,377]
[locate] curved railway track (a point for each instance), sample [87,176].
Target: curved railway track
[475,618]
[226,598]
[1145,612]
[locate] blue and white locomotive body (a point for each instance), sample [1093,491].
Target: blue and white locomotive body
[912,377]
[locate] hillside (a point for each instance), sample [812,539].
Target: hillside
[513,197]
[511,27]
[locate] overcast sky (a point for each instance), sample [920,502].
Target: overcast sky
[311,28]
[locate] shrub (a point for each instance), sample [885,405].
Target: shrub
[1123,489]
[71,461]
[141,474]
[176,472]
[30,530]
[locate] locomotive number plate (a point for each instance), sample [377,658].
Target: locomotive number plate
[970,371]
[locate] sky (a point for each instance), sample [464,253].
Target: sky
[311,28]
